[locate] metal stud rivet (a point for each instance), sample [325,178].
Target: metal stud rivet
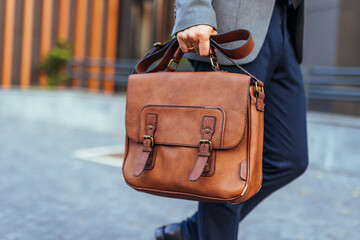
[207,130]
[150,127]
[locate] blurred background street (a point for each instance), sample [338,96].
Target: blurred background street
[64,66]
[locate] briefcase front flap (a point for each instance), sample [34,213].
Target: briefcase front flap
[181,125]
[180,102]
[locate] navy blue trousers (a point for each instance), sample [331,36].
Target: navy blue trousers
[285,142]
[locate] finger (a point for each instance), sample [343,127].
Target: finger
[187,40]
[190,46]
[182,44]
[214,32]
[193,39]
[195,45]
[204,47]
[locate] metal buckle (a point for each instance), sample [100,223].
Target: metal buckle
[256,87]
[206,141]
[151,138]
[214,65]
[171,62]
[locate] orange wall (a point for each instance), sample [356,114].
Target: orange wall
[35,30]
[30,28]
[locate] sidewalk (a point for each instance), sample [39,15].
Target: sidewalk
[47,194]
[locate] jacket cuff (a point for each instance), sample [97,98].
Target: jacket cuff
[191,13]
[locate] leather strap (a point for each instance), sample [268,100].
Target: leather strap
[170,50]
[205,147]
[148,144]
[236,35]
[260,105]
[165,52]
[175,60]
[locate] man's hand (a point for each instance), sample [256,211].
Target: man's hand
[196,39]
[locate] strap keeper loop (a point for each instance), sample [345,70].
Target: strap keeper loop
[171,67]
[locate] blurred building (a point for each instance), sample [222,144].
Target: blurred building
[100,32]
[332,56]
[332,33]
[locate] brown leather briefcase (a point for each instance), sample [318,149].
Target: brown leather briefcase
[194,135]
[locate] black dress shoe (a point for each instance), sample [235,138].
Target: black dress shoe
[169,232]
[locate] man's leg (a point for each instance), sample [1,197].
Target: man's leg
[285,142]
[285,139]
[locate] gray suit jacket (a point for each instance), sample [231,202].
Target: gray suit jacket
[227,15]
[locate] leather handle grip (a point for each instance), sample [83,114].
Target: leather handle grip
[170,52]
[236,35]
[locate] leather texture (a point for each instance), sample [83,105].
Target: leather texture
[194,135]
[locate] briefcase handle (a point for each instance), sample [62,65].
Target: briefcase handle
[170,52]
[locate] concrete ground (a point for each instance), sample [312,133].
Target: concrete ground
[48,194]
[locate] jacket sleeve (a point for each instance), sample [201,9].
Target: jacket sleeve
[193,12]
